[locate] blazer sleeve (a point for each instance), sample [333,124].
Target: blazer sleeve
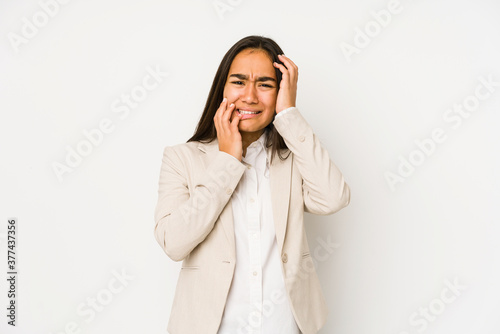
[324,188]
[184,217]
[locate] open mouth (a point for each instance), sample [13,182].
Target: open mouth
[244,112]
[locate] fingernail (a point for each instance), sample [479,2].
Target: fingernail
[232,104]
[224,100]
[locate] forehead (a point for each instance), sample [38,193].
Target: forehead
[252,61]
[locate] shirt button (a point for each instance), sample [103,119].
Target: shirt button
[249,167]
[252,200]
[229,191]
[284,258]
[255,273]
[301,138]
[254,235]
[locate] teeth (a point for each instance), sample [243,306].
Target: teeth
[248,112]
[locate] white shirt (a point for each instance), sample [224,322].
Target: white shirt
[257,302]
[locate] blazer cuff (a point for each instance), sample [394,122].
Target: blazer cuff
[325,190]
[226,171]
[282,112]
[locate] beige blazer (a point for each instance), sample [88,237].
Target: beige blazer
[194,223]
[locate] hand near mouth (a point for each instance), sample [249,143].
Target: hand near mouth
[288,87]
[228,135]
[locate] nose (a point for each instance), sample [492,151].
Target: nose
[249,94]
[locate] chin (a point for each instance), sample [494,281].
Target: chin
[247,128]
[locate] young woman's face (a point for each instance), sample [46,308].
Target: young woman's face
[251,85]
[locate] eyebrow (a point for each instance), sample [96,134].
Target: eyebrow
[245,77]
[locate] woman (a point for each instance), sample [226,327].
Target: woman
[234,215]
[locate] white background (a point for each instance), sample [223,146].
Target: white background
[396,247]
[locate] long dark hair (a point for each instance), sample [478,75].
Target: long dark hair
[205,130]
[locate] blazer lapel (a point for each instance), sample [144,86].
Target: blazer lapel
[279,176]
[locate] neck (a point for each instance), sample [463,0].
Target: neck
[249,137]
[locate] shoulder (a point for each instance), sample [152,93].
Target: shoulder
[190,146]
[180,157]
[182,149]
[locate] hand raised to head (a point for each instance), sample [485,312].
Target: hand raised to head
[288,87]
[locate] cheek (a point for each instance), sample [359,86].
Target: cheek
[270,101]
[228,91]
[231,94]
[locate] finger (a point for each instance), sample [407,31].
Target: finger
[218,114]
[290,65]
[223,107]
[228,112]
[235,121]
[285,77]
[226,118]
[220,110]
[283,70]
[288,62]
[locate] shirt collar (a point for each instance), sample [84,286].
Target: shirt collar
[259,144]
